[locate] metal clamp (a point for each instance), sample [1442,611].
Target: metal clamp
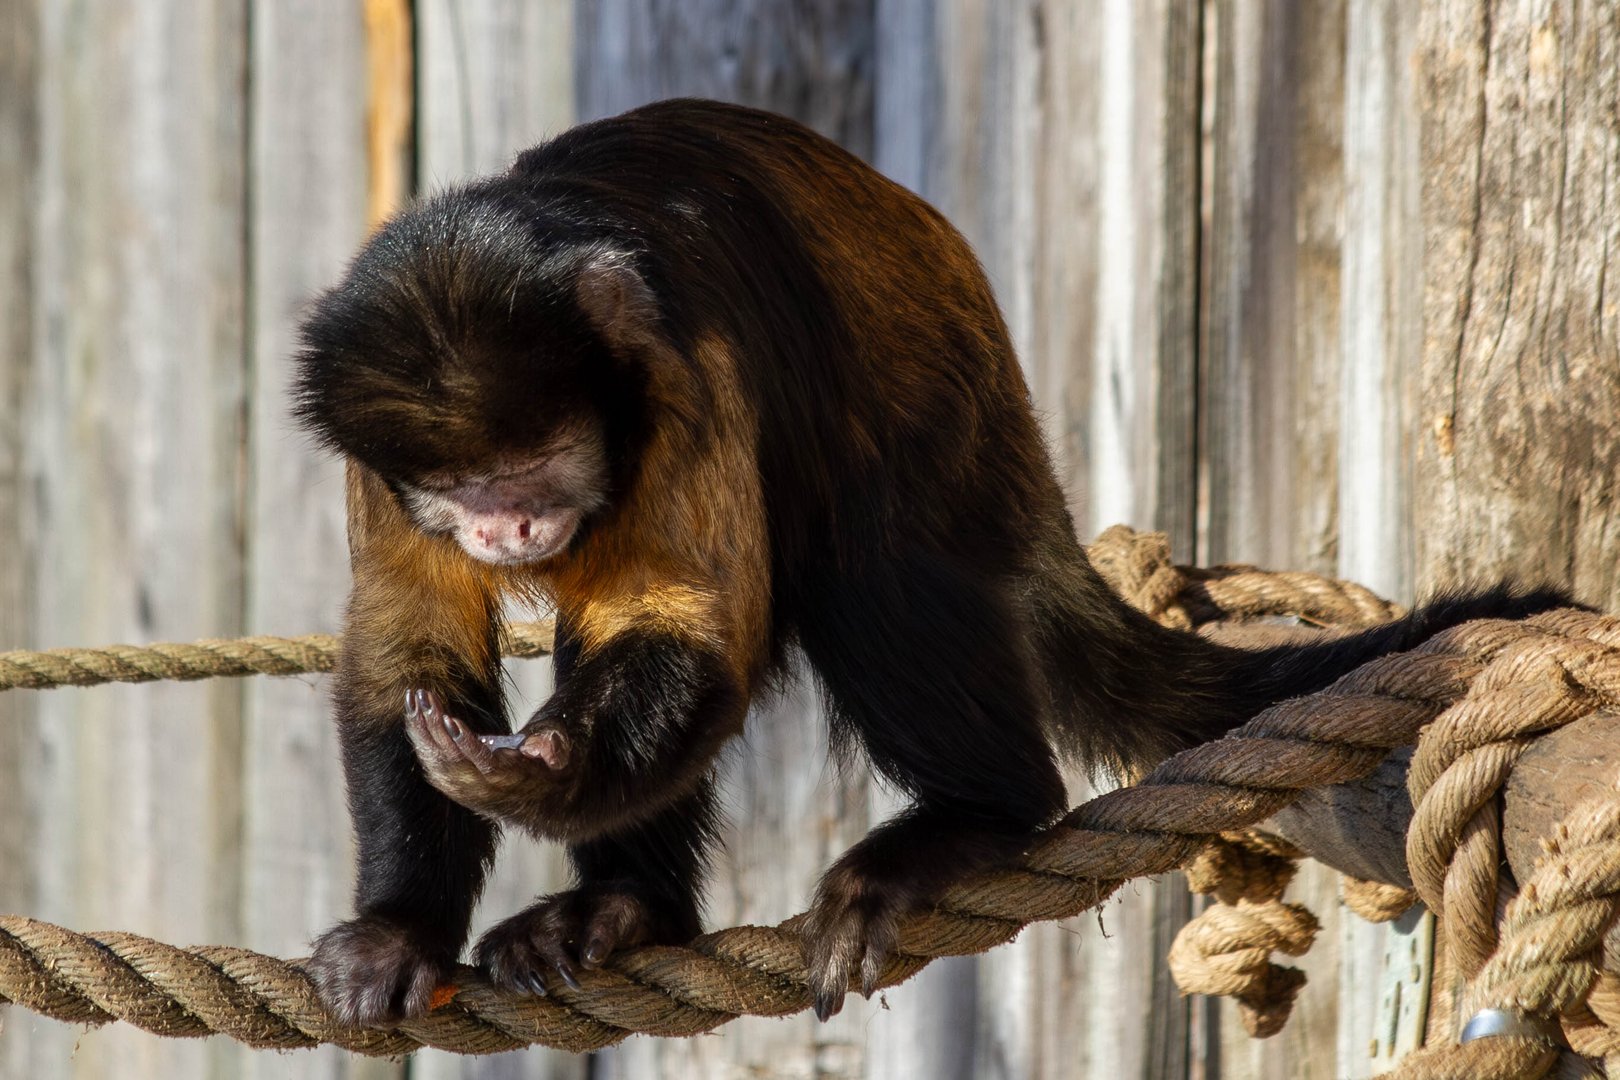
[1488,1023]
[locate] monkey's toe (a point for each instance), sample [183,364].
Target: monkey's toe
[372,972]
[563,933]
[849,931]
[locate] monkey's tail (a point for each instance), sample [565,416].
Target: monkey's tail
[1127,692]
[1279,672]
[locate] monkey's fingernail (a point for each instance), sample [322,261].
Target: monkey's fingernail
[566,970]
[453,726]
[826,1006]
[536,985]
[594,953]
[410,704]
[425,702]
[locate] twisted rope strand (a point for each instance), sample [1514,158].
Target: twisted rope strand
[24,669]
[1548,959]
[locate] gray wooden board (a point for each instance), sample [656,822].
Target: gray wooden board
[307,157]
[133,441]
[1046,131]
[1273,415]
[22,742]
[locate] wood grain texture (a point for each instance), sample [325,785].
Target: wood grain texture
[1381,335]
[308,159]
[496,77]
[1276,422]
[1062,139]
[810,60]
[22,742]
[1564,768]
[133,440]
[1518,433]
[1521,366]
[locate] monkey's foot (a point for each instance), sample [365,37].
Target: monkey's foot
[577,929]
[853,926]
[372,971]
[493,775]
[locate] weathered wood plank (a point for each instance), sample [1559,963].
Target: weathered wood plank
[1381,335]
[945,83]
[789,813]
[307,155]
[134,442]
[1271,378]
[1062,139]
[22,743]
[810,61]
[1521,366]
[1519,430]
[497,76]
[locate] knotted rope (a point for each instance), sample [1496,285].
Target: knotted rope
[1547,962]
[1338,735]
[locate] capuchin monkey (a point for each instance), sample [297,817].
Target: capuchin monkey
[720,394]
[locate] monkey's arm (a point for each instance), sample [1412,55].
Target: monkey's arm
[632,727]
[617,761]
[419,615]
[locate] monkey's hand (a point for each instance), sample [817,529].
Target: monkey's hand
[373,971]
[493,775]
[549,940]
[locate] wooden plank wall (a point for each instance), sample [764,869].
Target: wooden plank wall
[1321,285]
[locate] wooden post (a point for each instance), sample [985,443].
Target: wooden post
[1519,426]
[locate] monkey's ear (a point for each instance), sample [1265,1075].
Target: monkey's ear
[617,301]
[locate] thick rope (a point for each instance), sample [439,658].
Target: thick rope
[1227,949]
[1338,735]
[1136,564]
[24,669]
[1139,567]
[1557,668]
[1376,901]
[1547,963]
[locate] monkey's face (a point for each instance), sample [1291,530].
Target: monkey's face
[522,509]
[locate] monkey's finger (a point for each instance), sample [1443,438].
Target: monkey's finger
[427,730]
[472,747]
[828,1004]
[872,965]
[619,922]
[565,968]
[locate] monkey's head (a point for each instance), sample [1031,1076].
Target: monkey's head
[484,363]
